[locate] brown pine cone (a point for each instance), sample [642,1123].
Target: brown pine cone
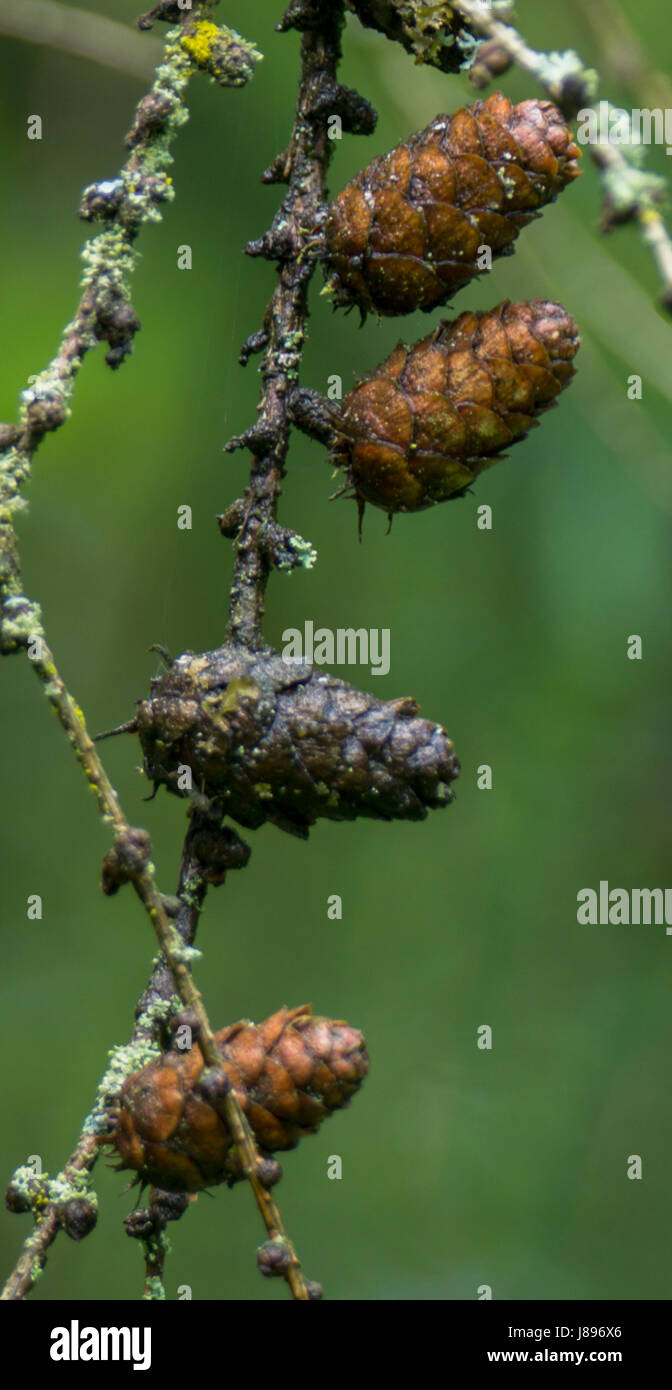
[275,740]
[288,1073]
[430,418]
[405,233]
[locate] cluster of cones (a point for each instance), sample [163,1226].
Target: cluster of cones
[268,741]
[407,233]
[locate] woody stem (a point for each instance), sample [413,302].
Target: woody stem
[292,241]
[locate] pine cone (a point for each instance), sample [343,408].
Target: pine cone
[405,233]
[430,418]
[288,1074]
[275,740]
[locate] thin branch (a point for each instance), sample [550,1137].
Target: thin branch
[82,33]
[294,241]
[104,312]
[150,1012]
[154,1251]
[630,192]
[32,1259]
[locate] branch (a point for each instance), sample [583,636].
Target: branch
[294,240]
[630,192]
[47,1202]
[151,1012]
[431,32]
[155,1251]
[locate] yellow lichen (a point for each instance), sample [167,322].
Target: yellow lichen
[199,42]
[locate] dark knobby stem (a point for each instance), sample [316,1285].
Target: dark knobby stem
[148,1224]
[295,241]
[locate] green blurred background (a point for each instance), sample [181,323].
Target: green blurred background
[460,1167]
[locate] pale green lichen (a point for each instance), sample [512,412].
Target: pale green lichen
[627,184]
[156,1249]
[63,1189]
[21,622]
[124,1061]
[185,955]
[27,1183]
[629,187]
[304,555]
[430,32]
[154,1290]
[189,893]
[556,69]
[160,1010]
[40,1191]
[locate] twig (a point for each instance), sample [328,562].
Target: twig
[563,75]
[150,1012]
[630,192]
[132,848]
[294,241]
[32,1259]
[154,1251]
[104,312]
[82,33]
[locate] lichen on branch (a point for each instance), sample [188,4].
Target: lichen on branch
[433,33]
[631,192]
[105,313]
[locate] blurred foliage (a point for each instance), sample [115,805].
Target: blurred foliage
[460,1167]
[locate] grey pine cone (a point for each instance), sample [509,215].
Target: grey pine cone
[273,740]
